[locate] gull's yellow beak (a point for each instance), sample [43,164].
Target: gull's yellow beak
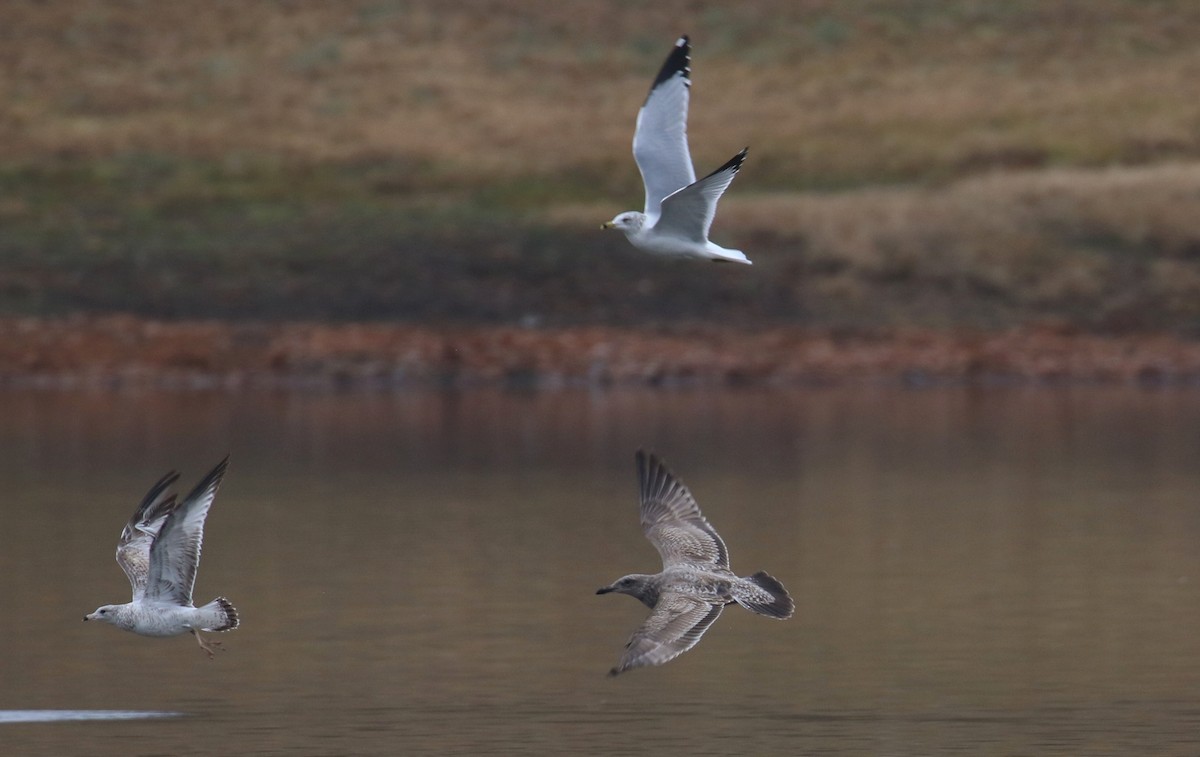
[606,225]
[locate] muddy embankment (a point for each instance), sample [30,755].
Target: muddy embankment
[120,352]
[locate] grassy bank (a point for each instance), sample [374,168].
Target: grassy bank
[940,164]
[1111,249]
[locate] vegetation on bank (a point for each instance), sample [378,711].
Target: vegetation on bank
[917,162]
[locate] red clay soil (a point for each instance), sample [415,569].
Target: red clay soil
[117,351]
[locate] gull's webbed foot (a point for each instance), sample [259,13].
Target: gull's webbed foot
[207,646]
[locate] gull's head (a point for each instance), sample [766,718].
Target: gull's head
[105,613]
[635,585]
[629,222]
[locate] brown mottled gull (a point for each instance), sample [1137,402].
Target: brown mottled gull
[159,551]
[695,583]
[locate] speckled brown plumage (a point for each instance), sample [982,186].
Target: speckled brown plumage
[695,583]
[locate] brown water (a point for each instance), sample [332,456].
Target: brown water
[977,572]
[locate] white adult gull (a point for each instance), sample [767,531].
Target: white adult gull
[159,550]
[679,210]
[695,583]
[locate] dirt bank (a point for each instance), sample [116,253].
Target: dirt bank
[128,352]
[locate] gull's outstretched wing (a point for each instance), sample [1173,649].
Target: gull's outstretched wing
[688,213]
[660,144]
[677,623]
[672,521]
[133,548]
[175,554]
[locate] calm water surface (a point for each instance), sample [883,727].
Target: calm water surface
[977,572]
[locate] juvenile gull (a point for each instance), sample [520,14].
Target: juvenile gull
[159,551]
[695,583]
[679,210]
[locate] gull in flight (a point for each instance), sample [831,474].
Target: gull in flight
[159,551]
[695,583]
[679,209]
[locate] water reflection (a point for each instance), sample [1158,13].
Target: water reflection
[975,571]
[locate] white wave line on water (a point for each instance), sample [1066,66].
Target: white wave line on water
[59,716]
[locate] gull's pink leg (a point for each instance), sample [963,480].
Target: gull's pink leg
[206,647]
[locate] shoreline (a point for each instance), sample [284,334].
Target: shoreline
[115,352]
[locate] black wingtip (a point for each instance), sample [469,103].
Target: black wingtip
[734,164]
[212,480]
[155,492]
[219,470]
[677,63]
[647,462]
[654,477]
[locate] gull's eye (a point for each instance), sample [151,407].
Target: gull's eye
[103,611]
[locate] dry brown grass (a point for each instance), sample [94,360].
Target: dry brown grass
[912,161]
[827,93]
[1117,247]
[1011,219]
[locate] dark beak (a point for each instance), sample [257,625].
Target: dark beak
[605,590]
[84,618]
